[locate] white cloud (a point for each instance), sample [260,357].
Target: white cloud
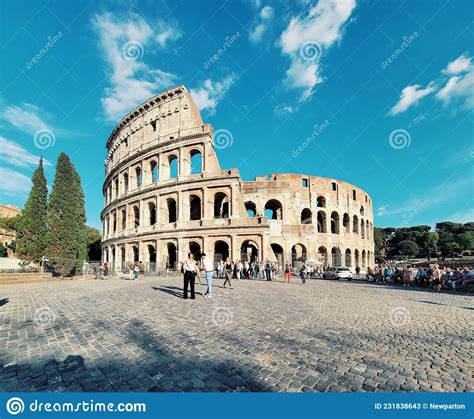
[321,28]
[459,65]
[262,24]
[25,118]
[14,183]
[410,96]
[461,85]
[211,93]
[13,153]
[283,109]
[124,41]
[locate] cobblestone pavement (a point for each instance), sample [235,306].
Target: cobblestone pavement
[120,335]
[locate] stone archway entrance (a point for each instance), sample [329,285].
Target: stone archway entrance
[249,251]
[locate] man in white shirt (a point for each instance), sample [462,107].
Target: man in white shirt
[208,268]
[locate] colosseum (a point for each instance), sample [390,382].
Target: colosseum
[166,195]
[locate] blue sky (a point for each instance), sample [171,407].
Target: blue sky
[376,93]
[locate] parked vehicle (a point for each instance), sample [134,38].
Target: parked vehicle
[338,273]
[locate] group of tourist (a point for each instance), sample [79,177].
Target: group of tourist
[434,276]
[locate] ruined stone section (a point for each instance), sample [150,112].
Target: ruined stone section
[165,195]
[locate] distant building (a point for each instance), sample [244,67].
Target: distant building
[8,236]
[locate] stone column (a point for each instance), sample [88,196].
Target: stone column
[206,206]
[142,215]
[181,171]
[158,210]
[234,250]
[233,207]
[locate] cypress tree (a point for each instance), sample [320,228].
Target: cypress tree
[66,236]
[31,227]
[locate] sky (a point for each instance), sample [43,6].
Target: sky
[377,93]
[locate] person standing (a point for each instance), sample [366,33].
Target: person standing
[208,268]
[407,276]
[287,273]
[136,271]
[106,271]
[268,270]
[436,277]
[303,272]
[190,271]
[228,273]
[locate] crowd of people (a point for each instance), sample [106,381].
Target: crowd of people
[436,277]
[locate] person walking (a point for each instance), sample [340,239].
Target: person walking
[190,271]
[287,273]
[303,272]
[208,268]
[106,271]
[228,273]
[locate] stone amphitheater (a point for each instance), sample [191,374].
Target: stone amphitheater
[166,195]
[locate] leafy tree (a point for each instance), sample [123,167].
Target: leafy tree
[31,225]
[408,248]
[3,250]
[465,240]
[10,223]
[93,239]
[66,236]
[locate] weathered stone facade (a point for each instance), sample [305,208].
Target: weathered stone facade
[166,195]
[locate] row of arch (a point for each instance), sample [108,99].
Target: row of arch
[249,251]
[169,170]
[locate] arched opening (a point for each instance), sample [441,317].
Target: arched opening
[362,211]
[154,171]
[221,251]
[122,258]
[278,253]
[172,255]
[136,215]
[362,229]
[195,250]
[171,205]
[321,202]
[346,223]
[355,225]
[306,216]
[135,254]
[124,219]
[152,258]
[363,258]
[221,205]
[322,225]
[173,166]
[152,213]
[196,162]
[336,257]
[334,222]
[112,262]
[249,251]
[356,258]
[251,209]
[323,256]
[114,222]
[194,207]
[367,236]
[348,258]
[125,182]
[138,176]
[274,210]
[298,255]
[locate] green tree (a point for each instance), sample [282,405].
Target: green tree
[93,239]
[3,250]
[465,240]
[408,248]
[31,226]
[66,236]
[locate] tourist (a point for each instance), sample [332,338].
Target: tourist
[190,271]
[208,269]
[136,271]
[287,273]
[407,276]
[303,272]
[268,269]
[106,271]
[370,274]
[228,273]
[246,269]
[255,270]
[357,270]
[141,267]
[387,274]
[436,277]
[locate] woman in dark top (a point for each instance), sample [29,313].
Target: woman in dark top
[228,272]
